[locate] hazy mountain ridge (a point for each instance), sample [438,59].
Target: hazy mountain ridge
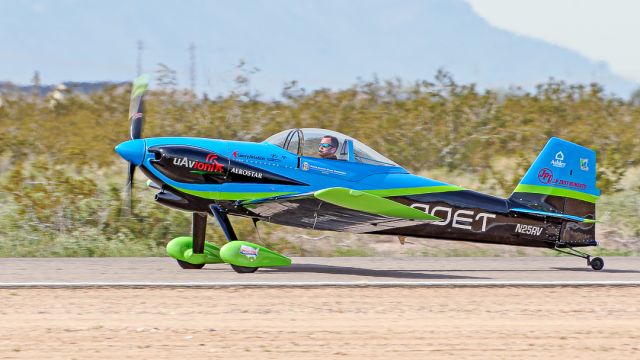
[327,43]
[43,90]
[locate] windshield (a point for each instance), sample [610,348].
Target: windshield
[336,146]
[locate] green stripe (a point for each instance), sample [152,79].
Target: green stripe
[414,190]
[220,195]
[548,190]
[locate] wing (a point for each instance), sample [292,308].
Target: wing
[338,209]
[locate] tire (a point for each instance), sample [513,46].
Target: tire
[243,269]
[186,265]
[597,263]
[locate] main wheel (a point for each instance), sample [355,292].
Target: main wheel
[597,263]
[243,269]
[186,265]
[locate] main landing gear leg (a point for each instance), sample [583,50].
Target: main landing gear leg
[198,230]
[224,222]
[596,263]
[227,229]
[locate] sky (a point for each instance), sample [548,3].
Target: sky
[602,30]
[75,40]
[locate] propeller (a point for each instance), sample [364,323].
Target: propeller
[136,118]
[136,106]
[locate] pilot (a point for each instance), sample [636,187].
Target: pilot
[328,147]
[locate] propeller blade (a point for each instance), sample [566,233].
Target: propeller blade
[136,118]
[132,171]
[136,106]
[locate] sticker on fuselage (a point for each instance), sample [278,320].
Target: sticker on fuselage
[244,172]
[306,166]
[194,165]
[272,158]
[529,229]
[461,219]
[210,164]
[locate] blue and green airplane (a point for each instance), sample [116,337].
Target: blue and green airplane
[320,179]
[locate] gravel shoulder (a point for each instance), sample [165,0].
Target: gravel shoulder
[316,323]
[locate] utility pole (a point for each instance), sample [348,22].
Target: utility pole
[36,84]
[192,67]
[140,50]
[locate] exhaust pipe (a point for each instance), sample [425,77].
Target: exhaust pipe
[173,201]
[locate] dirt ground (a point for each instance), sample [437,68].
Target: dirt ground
[320,323]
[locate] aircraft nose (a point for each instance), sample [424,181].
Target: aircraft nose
[132,151]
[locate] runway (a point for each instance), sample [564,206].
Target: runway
[321,272]
[352,308]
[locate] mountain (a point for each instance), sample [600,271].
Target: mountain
[43,90]
[319,43]
[411,39]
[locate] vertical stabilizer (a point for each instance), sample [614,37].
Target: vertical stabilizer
[562,169]
[562,180]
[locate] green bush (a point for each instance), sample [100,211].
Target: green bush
[63,184]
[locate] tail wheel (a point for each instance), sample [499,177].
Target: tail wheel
[186,265]
[597,263]
[243,269]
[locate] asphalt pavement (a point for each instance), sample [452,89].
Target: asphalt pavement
[313,272]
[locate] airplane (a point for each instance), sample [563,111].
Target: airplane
[320,179]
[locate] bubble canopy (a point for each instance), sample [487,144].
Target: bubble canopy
[305,142]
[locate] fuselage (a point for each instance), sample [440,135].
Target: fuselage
[247,170]
[201,172]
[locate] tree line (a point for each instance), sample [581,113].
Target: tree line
[60,175]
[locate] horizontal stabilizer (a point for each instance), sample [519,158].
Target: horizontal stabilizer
[372,204]
[552,214]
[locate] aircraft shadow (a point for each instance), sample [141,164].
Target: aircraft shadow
[348,270]
[588,269]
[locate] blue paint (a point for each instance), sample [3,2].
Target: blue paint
[546,213]
[318,173]
[564,165]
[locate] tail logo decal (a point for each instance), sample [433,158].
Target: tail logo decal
[584,164]
[545,176]
[557,162]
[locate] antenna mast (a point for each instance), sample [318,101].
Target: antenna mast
[192,67]
[140,50]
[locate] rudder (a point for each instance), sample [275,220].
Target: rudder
[562,179]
